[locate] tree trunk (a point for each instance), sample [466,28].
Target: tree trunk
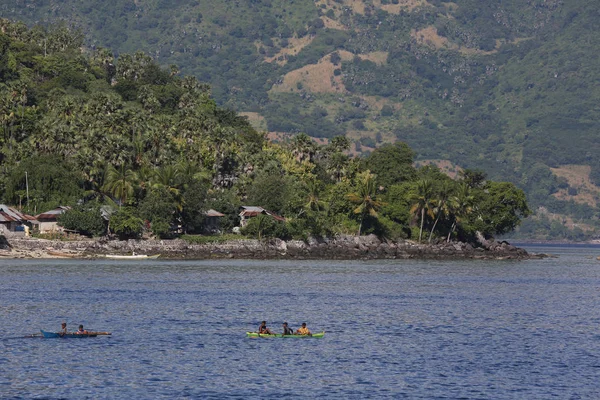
[451,231]
[422,219]
[362,217]
[434,224]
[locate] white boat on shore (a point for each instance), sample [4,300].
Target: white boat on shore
[131,257]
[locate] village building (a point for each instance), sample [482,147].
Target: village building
[253,211]
[48,220]
[212,221]
[14,222]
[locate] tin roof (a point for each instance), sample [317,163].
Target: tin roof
[52,214]
[4,217]
[14,214]
[214,213]
[253,211]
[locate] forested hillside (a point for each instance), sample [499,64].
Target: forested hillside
[152,152]
[509,87]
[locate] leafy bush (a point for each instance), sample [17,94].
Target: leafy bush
[86,220]
[264,226]
[126,224]
[206,239]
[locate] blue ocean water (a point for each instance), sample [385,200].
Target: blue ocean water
[395,329]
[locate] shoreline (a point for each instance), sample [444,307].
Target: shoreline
[338,248]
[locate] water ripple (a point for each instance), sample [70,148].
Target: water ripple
[406,329]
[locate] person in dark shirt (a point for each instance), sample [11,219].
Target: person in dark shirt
[81,331]
[287,330]
[263,328]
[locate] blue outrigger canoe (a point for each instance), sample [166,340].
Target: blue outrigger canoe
[51,335]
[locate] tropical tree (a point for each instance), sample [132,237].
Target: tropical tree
[158,208]
[392,163]
[422,202]
[120,183]
[441,204]
[303,147]
[86,219]
[460,206]
[337,164]
[364,197]
[313,201]
[126,224]
[499,209]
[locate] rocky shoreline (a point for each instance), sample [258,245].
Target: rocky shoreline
[339,248]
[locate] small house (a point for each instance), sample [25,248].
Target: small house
[12,220]
[48,220]
[253,211]
[212,221]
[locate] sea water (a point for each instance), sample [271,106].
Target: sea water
[396,329]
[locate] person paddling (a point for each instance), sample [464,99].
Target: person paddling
[303,330]
[63,329]
[263,328]
[81,331]
[287,330]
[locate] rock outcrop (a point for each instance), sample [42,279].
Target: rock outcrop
[342,247]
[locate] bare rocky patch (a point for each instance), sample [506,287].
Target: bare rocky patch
[360,6]
[316,78]
[446,166]
[295,45]
[582,190]
[257,121]
[429,37]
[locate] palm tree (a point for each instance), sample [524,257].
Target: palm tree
[460,206]
[303,147]
[313,202]
[441,204]
[337,164]
[120,183]
[423,202]
[168,177]
[365,197]
[96,179]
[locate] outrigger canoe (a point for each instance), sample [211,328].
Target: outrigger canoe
[50,335]
[131,257]
[279,335]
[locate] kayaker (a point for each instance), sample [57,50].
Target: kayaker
[263,328]
[303,330]
[287,330]
[63,329]
[81,331]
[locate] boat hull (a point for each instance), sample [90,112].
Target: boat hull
[318,335]
[136,257]
[53,335]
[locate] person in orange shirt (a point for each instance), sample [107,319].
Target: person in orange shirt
[303,330]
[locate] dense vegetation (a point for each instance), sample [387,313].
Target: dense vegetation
[153,151]
[504,86]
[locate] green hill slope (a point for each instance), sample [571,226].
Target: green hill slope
[506,86]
